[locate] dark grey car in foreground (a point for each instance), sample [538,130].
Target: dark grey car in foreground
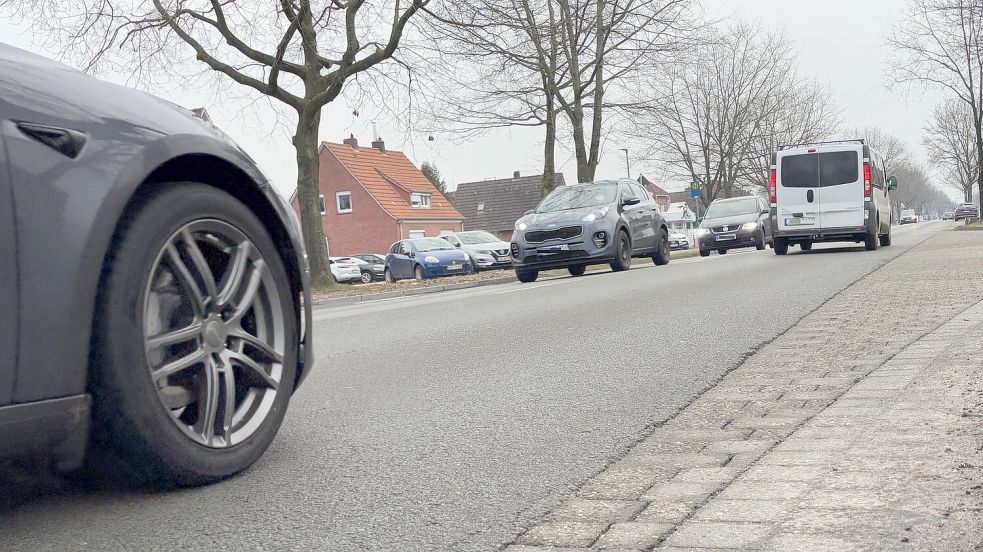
[604,222]
[153,287]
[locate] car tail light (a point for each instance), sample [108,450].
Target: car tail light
[868,181]
[773,187]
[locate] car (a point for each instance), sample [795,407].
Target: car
[828,192]
[734,223]
[965,211]
[154,285]
[345,269]
[487,252]
[948,215]
[908,216]
[602,222]
[678,241]
[423,258]
[373,266]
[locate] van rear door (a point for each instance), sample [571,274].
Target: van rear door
[797,189]
[841,194]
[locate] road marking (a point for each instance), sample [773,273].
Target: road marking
[526,288]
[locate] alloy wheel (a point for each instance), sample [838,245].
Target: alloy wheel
[214,333]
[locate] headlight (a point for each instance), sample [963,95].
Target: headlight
[596,214]
[519,225]
[483,252]
[431,259]
[749,226]
[702,231]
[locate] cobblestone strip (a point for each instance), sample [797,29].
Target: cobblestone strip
[727,471]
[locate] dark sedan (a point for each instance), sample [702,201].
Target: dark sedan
[734,223]
[604,222]
[965,211]
[373,266]
[153,286]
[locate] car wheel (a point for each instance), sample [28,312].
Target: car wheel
[195,344]
[577,270]
[760,244]
[871,241]
[367,277]
[886,238]
[527,276]
[806,246]
[418,273]
[389,277]
[622,260]
[704,252]
[662,253]
[721,251]
[781,246]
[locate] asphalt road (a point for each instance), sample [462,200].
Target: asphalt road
[450,421]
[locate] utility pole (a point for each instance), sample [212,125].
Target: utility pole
[627,163]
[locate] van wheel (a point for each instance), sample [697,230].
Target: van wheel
[781,246]
[871,241]
[806,246]
[527,276]
[886,238]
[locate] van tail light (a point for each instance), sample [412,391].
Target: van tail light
[773,187]
[868,182]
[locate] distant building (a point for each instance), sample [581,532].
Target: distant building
[662,197]
[373,197]
[495,205]
[680,218]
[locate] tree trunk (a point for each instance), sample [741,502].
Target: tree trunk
[584,172]
[308,191]
[549,150]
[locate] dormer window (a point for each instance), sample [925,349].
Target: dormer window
[420,200]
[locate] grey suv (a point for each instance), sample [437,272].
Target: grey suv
[604,222]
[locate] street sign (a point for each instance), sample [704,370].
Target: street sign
[694,185]
[694,192]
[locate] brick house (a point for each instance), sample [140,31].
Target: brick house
[373,197]
[661,196]
[495,205]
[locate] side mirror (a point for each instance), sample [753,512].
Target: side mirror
[892,183]
[630,201]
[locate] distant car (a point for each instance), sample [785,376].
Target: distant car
[965,211]
[423,258]
[486,251]
[373,266]
[908,216]
[948,215]
[735,223]
[345,269]
[678,241]
[603,222]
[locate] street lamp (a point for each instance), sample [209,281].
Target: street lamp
[627,164]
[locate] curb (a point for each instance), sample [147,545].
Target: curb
[370,297]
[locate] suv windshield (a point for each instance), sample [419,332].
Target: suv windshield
[732,208]
[477,237]
[579,196]
[431,244]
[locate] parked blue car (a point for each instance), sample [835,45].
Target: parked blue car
[422,258]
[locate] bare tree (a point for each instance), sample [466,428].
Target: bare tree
[893,149]
[949,139]
[939,45]
[297,52]
[916,191]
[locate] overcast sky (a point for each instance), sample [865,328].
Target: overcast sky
[839,41]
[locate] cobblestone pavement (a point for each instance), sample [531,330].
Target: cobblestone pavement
[860,428]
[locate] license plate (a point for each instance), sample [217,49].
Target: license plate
[561,247]
[674,243]
[798,221]
[725,237]
[454,267]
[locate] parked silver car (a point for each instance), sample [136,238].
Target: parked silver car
[487,251]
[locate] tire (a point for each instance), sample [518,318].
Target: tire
[577,270]
[390,279]
[622,260]
[137,432]
[704,253]
[662,252]
[886,238]
[367,277]
[871,241]
[781,246]
[721,251]
[760,244]
[805,246]
[526,276]
[418,273]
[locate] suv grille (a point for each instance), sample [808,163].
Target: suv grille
[565,233]
[729,228]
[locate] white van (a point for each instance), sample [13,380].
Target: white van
[830,191]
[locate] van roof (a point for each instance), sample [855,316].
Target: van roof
[859,141]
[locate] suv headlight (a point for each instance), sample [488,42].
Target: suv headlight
[519,225]
[595,214]
[749,226]
[702,231]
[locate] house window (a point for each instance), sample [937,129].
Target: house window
[344,200]
[320,200]
[481,206]
[417,234]
[420,201]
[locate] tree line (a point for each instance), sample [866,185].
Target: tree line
[704,101]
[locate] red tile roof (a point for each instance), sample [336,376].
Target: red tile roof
[372,168]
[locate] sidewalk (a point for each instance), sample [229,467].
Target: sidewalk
[860,428]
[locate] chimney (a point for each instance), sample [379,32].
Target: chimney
[351,141]
[515,175]
[379,144]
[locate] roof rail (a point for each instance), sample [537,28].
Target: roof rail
[787,146]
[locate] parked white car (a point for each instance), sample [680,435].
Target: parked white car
[486,251]
[345,269]
[830,191]
[678,240]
